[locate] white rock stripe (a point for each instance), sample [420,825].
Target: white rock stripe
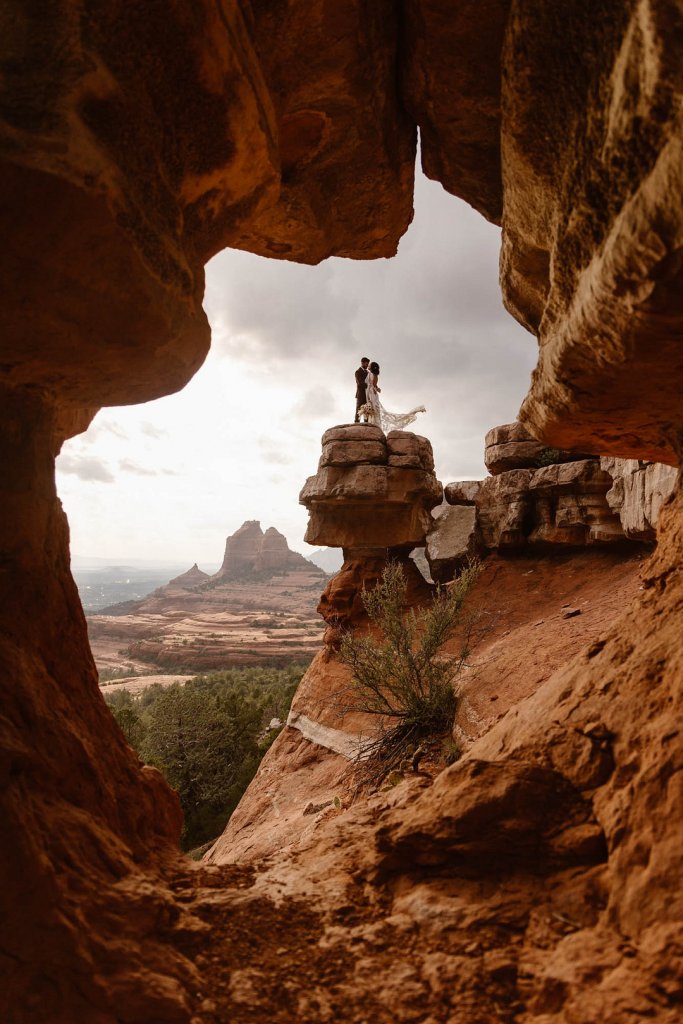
[349,745]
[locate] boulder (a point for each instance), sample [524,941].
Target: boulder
[353,432]
[348,453]
[463,492]
[510,446]
[561,504]
[408,449]
[452,541]
[638,491]
[504,509]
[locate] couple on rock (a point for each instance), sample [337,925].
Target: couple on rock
[369,409]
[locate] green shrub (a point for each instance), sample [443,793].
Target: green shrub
[399,672]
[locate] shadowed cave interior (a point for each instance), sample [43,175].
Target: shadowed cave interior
[536,878]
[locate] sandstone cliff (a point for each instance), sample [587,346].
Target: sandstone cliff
[497,890]
[538,879]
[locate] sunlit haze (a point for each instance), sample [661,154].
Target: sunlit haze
[170,479]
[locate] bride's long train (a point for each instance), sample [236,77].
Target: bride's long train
[393,420]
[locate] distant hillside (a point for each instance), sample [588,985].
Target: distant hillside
[328,559]
[258,609]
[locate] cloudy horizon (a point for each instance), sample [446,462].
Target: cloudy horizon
[170,479]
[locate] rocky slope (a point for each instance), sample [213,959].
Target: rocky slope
[259,608]
[537,610]
[495,890]
[133,148]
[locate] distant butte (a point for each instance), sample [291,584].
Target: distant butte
[249,550]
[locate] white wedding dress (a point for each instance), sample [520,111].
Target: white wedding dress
[381,417]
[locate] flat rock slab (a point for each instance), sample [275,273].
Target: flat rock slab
[452,541]
[513,455]
[462,492]
[353,432]
[404,445]
[352,452]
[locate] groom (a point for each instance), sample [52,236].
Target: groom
[361,377]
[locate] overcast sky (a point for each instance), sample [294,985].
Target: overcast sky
[169,480]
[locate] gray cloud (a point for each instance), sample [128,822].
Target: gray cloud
[85,467]
[314,403]
[128,466]
[105,425]
[150,430]
[272,454]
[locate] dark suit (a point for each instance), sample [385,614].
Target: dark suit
[361,393]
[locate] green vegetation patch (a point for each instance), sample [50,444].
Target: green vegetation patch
[400,672]
[207,736]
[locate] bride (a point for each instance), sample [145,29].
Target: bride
[377,414]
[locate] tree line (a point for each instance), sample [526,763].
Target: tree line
[207,737]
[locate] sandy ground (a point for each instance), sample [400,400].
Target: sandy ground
[136,684]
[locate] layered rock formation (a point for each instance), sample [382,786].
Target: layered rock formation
[371,496]
[593,223]
[250,550]
[507,887]
[538,496]
[136,143]
[377,510]
[371,491]
[511,446]
[638,492]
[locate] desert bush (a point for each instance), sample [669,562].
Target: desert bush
[399,670]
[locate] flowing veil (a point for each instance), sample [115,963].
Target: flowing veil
[381,417]
[398,420]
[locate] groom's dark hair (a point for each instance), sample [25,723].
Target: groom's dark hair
[364,359]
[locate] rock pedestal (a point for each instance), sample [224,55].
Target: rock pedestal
[372,497]
[361,498]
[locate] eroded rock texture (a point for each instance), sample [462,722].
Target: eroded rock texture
[86,829]
[249,550]
[593,222]
[637,494]
[137,140]
[538,496]
[371,492]
[536,879]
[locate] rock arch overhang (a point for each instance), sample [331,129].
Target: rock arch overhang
[140,139]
